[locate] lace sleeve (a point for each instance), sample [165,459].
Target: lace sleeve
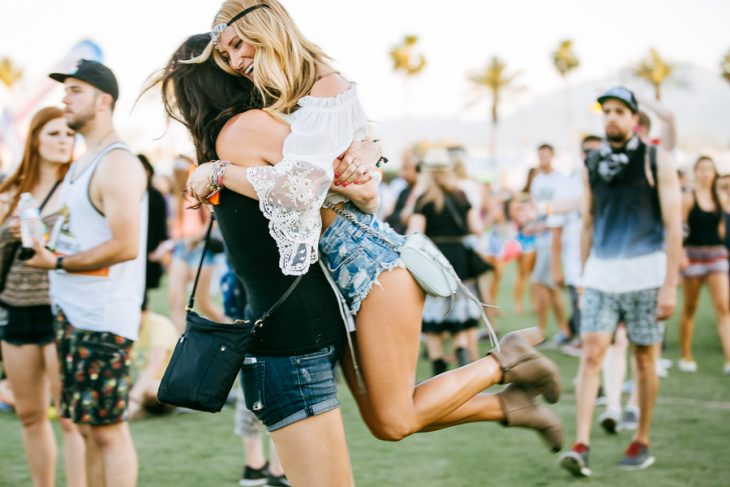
[291,192]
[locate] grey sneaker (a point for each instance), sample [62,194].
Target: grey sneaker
[637,457]
[630,420]
[575,460]
[609,421]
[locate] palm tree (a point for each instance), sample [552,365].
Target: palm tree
[565,61]
[655,70]
[725,66]
[564,58]
[495,79]
[404,59]
[9,72]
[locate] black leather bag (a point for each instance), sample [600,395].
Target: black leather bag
[208,355]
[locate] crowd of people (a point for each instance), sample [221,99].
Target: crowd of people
[285,165]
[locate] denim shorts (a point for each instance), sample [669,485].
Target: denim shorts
[191,257]
[282,390]
[354,257]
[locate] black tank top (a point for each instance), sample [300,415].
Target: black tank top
[704,226]
[309,319]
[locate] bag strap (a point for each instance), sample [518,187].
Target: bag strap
[50,193]
[455,214]
[259,322]
[191,299]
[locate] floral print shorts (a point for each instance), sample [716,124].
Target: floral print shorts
[95,380]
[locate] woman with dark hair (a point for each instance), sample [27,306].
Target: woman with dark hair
[28,345]
[297,348]
[706,260]
[392,406]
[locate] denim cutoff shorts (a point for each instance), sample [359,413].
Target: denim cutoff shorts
[191,257]
[282,390]
[354,257]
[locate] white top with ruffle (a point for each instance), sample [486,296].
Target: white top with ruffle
[292,191]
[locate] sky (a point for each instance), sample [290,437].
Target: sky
[456,36]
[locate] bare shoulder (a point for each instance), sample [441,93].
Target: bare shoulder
[121,167]
[330,86]
[252,136]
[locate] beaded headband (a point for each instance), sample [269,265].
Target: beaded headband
[218,29]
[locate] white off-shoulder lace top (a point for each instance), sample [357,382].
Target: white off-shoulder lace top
[292,191]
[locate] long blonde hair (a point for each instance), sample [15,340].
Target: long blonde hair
[435,184]
[286,63]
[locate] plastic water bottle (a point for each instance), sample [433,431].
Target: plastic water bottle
[31,226]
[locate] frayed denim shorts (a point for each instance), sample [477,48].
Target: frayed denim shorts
[356,258]
[282,390]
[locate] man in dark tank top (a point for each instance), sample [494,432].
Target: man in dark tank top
[630,247]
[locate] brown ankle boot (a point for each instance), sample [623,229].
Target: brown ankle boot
[522,364]
[521,410]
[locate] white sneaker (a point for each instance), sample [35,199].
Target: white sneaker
[687,365]
[727,369]
[664,363]
[661,371]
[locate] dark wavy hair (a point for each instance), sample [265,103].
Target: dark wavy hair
[202,96]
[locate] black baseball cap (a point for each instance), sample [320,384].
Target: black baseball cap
[94,73]
[624,95]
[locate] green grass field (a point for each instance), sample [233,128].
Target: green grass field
[691,436]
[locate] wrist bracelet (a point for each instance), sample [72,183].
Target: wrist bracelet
[59,263]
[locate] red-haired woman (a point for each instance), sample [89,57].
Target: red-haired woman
[28,346]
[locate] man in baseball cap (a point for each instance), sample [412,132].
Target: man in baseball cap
[624,95]
[94,73]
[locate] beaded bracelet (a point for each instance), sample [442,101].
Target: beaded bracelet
[215,181]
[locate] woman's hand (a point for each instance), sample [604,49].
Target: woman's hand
[198,185]
[358,164]
[365,196]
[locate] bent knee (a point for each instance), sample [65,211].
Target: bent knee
[31,416]
[390,430]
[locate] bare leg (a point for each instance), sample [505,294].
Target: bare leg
[556,302]
[594,348]
[179,275]
[327,466]
[93,458]
[117,453]
[691,287]
[26,373]
[648,389]
[542,298]
[718,284]
[614,369]
[388,344]
[202,295]
[73,442]
[482,407]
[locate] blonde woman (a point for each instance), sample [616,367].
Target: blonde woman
[28,345]
[446,214]
[283,156]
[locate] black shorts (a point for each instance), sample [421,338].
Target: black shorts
[29,325]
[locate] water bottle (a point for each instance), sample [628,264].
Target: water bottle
[31,226]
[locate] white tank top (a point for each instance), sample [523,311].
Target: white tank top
[107,299]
